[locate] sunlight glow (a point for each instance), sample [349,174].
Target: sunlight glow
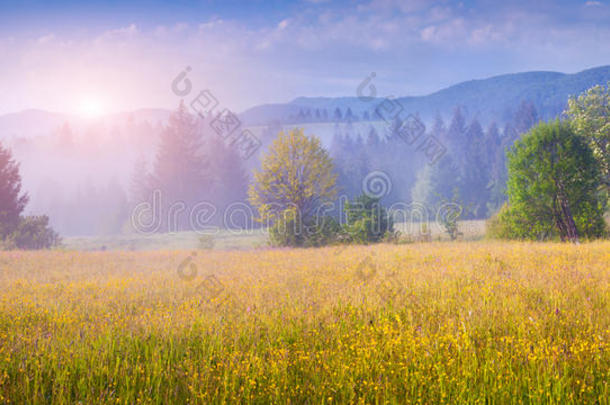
[91,107]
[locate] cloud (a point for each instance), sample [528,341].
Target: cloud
[283,24]
[439,43]
[45,39]
[451,32]
[118,35]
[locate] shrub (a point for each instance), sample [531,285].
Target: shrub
[32,233]
[290,230]
[367,220]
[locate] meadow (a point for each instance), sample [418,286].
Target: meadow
[224,239]
[441,322]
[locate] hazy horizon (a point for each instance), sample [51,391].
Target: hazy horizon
[98,58]
[77,115]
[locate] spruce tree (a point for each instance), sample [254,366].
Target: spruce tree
[12,200]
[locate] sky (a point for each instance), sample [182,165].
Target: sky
[92,57]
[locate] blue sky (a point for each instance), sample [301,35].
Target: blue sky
[124,55]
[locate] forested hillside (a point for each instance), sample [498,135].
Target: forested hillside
[493,99]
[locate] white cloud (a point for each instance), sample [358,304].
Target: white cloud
[119,34]
[283,24]
[451,32]
[45,39]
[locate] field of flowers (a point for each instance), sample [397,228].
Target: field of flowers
[463,322]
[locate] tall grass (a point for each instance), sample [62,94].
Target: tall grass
[422,323]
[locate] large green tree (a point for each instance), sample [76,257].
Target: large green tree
[553,186]
[296,178]
[589,114]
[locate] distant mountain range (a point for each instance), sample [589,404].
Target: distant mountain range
[494,98]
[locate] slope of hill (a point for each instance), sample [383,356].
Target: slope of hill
[489,99]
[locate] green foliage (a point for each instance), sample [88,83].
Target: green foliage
[504,225]
[32,233]
[296,179]
[367,220]
[291,230]
[589,115]
[553,188]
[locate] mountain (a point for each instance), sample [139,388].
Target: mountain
[489,99]
[492,99]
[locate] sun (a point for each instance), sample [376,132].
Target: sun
[91,107]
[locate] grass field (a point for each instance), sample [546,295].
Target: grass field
[463,322]
[221,240]
[233,240]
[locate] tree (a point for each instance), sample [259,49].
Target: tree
[553,186]
[497,168]
[589,114]
[436,183]
[181,171]
[139,187]
[349,115]
[338,116]
[12,201]
[372,139]
[525,117]
[475,174]
[324,115]
[230,179]
[114,212]
[17,232]
[296,178]
[457,138]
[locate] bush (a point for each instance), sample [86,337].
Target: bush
[502,225]
[290,230]
[367,220]
[32,233]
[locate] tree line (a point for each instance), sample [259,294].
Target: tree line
[556,174]
[537,180]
